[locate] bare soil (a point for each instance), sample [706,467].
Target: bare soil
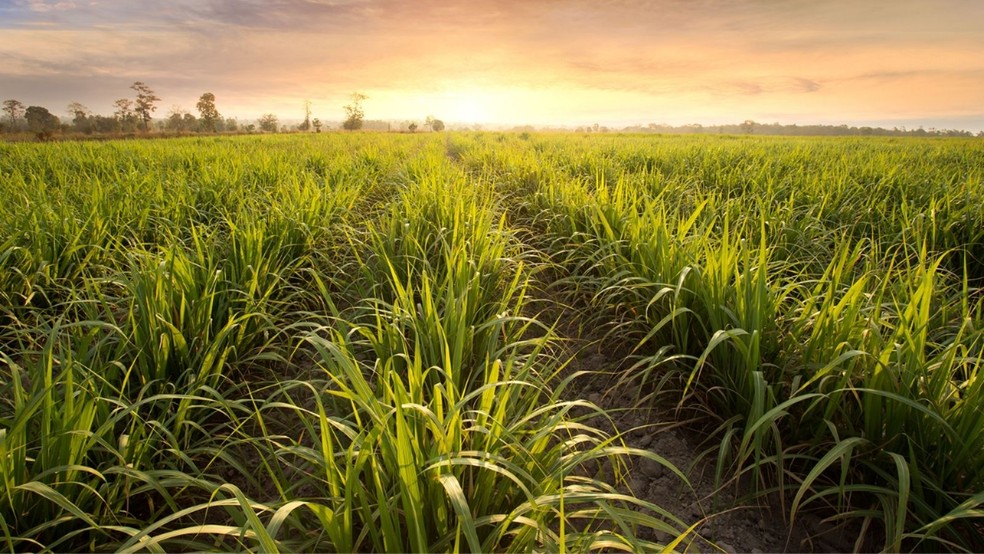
[728,523]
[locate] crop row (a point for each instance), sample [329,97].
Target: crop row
[335,342]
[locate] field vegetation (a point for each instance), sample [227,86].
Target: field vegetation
[339,342]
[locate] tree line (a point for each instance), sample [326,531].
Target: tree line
[130,115]
[136,114]
[749,127]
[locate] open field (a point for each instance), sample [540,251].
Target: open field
[341,342]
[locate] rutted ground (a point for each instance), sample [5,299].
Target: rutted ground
[721,520]
[725,522]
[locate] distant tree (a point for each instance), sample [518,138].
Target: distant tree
[173,121]
[13,109]
[80,117]
[412,127]
[306,124]
[104,124]
[77,110]
[124,108]
[268,123]
[748,127]
[180,120]
[208,114]
[317,125]
[41,121]
[231,124]
[124,114]
[354,113]
[145,103]
[434,123]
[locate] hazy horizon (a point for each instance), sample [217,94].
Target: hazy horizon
[544,63]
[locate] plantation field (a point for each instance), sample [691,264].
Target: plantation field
[363,342]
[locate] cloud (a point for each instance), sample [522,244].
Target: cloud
[281,14]
[692,56]
[765,85]
[42,6]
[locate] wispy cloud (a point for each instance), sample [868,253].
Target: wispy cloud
[702,57]
[48,6]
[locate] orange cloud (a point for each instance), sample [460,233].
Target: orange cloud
[548,61]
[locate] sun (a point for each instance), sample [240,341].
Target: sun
[467,108]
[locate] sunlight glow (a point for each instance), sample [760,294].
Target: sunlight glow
[469,104]
[467,110]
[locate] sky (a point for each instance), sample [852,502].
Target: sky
[511,62]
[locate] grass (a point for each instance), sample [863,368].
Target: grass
[331,342]
[850,363]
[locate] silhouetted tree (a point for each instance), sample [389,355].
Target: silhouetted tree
[434,123]
[124,108]
[77,110]
[80,117]
[354,113]
[145,103]
[207,112]
[124,113]
[268,123]
[41,121]
[104,124]
[306,124]
[13,109]
[317,125]
[180,120]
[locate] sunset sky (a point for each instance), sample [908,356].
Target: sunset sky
[541,62]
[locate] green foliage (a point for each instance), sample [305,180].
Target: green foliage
[329,342]
[812,295]
[283,343]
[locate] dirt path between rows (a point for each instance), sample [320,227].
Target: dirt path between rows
[727,525]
